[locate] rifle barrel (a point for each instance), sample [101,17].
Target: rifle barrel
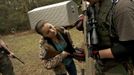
[18,59]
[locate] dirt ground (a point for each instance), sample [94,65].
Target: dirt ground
[26,47]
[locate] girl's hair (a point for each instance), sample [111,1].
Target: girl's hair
[39,26]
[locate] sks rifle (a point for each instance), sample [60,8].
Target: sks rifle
[90,34]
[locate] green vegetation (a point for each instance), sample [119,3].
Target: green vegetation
[14,13]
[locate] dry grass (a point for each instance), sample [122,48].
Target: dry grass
[25,46]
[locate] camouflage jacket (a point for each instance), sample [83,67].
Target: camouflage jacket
[51,57]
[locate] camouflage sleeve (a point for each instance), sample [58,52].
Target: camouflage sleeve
[42,53]
[52,62]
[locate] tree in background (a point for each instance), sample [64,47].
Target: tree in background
[14,13]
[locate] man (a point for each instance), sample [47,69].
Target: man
[123,24]
[6,67]
[118,14]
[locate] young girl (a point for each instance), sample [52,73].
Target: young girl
[56,48]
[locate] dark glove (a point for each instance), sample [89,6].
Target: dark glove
[79,54]
[79,23]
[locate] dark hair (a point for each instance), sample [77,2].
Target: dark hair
[39,26]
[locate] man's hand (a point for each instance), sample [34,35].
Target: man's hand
[79,23]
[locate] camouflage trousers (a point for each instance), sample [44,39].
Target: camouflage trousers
[6,67]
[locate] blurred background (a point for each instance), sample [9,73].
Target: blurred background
[13,14]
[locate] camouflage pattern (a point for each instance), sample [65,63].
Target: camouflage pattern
[54,59]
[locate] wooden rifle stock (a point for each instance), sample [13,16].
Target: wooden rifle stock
[90,63]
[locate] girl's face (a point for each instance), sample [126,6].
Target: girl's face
[49,30]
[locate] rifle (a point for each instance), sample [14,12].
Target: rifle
[18,59]
[91,39]
[7,52]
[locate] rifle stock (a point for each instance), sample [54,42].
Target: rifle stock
[90,62]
